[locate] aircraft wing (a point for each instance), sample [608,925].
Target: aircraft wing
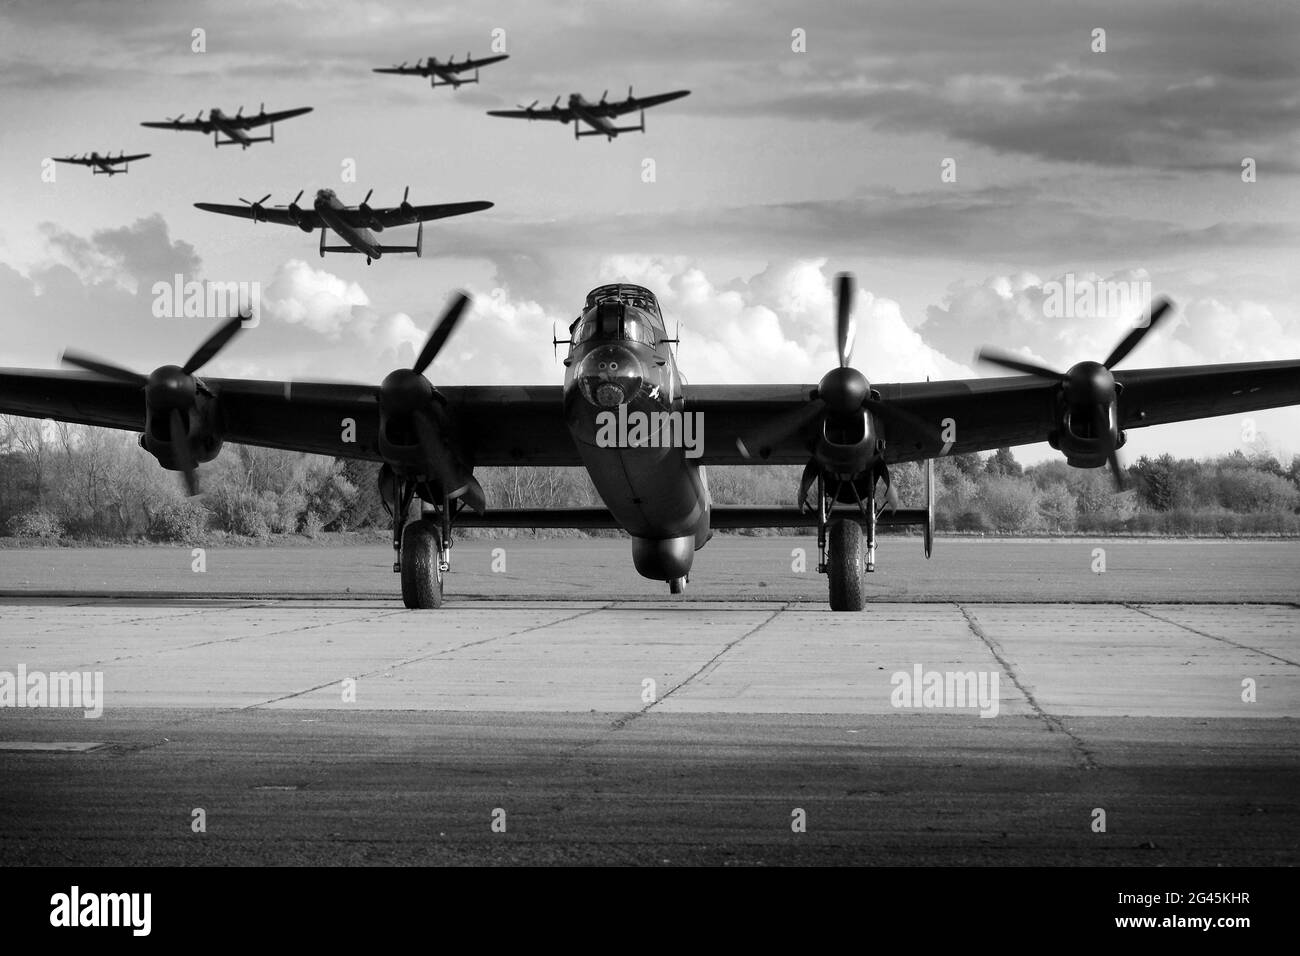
[402,70]
[472,64]
[497,425]
[524,425]
[634,103]
[261,119]
[276,214]
[398,216]
[110,160]
[561,113]
[987,413]
[196,125]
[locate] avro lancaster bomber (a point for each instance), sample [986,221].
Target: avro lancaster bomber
[645,437]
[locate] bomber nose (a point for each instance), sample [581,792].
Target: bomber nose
[610,376]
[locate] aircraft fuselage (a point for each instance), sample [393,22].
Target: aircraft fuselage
[219,119]
[332,212]
[624,407]
[583,110]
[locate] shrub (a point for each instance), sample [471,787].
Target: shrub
[312,523]
[183,520]
[1011,504]
[37,523]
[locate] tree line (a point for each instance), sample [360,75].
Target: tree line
[64,481]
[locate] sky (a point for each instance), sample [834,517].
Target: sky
[815,139]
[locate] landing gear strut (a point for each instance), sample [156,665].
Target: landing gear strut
[840,544]
[423,549]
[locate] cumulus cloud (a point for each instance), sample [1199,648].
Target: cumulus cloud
[133,257]
[1014,313]
[319,300]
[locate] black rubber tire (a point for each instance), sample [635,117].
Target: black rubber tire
[421,575]
[846,565]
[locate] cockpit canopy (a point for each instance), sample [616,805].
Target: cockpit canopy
[619,312]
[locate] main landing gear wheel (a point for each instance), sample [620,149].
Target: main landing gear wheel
[845,565]
[677,585]
[421,565]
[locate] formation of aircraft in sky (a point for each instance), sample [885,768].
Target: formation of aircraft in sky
[447,70]
[355,225]
[599,116]
[234,128]
[105,165]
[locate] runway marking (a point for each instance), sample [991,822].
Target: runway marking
[1213,637]
[50,746]
[1054,724]
[242,637]
[708,666]
[422,658]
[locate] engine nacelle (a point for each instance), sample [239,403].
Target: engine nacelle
[847,446]
[1087,435]
[204,442]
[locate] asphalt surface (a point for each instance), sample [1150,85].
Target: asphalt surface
[348,731]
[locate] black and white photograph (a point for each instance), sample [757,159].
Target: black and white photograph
[650,434]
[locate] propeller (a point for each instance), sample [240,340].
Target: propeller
[629,92]
[1088,384]
[261,109]
[294,210]
[842,392]
[168,389]
[239,112]
[529,107]
[556,104]
[257,206]
[604,96]
[407,209]
[176,119]
[406,395]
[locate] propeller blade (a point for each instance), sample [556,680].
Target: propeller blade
[844,328]
[441,332]
[427,435]
[367,199]
[262,108]
[107,369]
[1159,310]
[779,428]
[891,497]
[1100,427]
[297,197]
[1007,360]
[181,450]
[215,343]
[405,194]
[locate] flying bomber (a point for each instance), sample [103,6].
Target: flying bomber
[846,432]
[234,128]
[105,165]
[599,115]
[448,71]
[355,225]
